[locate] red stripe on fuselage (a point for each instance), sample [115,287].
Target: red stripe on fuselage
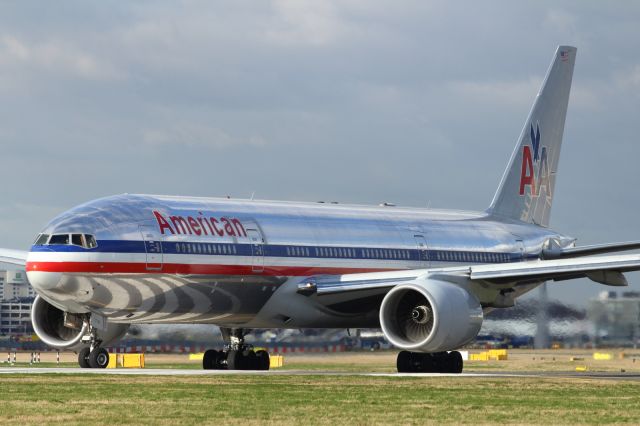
[189,269]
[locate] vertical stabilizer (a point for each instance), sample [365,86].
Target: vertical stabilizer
[527,187]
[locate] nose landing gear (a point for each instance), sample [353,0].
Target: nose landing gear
[93,356]
[237,355]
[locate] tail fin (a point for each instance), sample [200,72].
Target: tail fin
[527,187]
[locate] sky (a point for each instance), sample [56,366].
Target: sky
[418,103]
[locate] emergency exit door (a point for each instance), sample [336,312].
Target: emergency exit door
[257,250]
[423,252]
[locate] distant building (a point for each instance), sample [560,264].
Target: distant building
[15,317]
[616,318]
[16,297]
[14,285]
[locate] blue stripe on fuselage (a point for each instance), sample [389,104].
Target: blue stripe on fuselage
[291,251]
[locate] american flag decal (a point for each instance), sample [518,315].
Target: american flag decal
[564,55]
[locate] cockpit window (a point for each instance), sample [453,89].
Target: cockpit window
[41,240]
[76,240]
[90,241]
[82,240]
[59,239]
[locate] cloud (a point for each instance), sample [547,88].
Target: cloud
[197,135]
[57,56]
[307,22]
[505,93]
[628,79]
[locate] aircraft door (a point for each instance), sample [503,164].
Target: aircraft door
[423,253]
[152,247]
[523,251]
[257,250]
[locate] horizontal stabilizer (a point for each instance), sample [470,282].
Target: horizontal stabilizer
[560,253]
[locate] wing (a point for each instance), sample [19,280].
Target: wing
[15,257]
[606,270]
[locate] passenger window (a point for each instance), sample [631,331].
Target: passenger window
[59,239]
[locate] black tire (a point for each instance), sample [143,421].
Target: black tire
[403,362]
[234,360]
[264,360]
[250,361]
[210,359]
[99,358]
[218,362]
[83,358]
[456,362]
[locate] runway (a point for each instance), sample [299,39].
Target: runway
[193,372]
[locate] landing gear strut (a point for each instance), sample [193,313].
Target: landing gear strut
[441,362]
[93,356]
[237,355]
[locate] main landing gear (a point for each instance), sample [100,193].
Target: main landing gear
[237,355]
[440,362]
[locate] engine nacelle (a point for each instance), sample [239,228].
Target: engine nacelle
[63,330]
[430,316]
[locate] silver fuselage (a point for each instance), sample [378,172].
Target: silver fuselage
[162,259]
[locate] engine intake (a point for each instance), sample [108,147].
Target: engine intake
[430,316]
[64,330]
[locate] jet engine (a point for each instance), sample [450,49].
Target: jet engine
[430,316]
[64,330]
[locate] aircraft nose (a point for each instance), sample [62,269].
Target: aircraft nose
[38,278]
[43,280]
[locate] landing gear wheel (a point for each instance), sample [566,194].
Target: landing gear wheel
[263,360]
[83,358]
[456,362]
[234,360]
[403,362]
[250,361]
[99,358]
[442,362]
[209,359]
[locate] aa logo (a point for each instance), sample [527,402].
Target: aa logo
[535,168]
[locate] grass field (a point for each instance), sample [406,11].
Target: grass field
[72,399]
[316,399]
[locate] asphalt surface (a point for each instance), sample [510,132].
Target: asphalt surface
[187,372]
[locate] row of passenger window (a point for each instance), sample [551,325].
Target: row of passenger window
[342,252]
[461,256]
[198,248]
[335,252]
[349,253]
[386,254]
[298,251]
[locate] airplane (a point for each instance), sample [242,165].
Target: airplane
[425,277]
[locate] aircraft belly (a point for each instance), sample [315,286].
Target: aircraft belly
[161,298]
